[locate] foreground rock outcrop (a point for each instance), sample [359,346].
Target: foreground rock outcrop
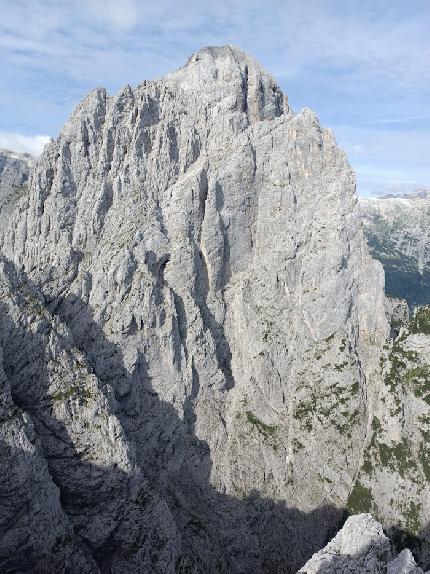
[199,373]
[360,546]
[68,476]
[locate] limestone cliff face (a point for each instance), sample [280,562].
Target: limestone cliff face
[15,171]
[394,481]
[69,480]
[199,248]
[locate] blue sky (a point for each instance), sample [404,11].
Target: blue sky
[363,66]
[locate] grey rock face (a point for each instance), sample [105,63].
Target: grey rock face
[208,391]
[394,481]
[69,481]
[15,171]
[398,232]
[360,546]
[397,312]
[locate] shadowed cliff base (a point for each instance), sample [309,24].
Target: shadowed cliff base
[163,514]
[158,516]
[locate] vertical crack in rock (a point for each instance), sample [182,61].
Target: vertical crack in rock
[222,347]
[189,406]
[181,320]
[245,90]
[223,351]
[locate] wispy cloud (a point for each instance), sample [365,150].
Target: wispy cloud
[388,179]
[122,15]
[352,40]
[357,62]
[21,143]
[423,118]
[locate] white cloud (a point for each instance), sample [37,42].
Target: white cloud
[384,146]
[21,143]
[364,47]
[361,64]
[122,15]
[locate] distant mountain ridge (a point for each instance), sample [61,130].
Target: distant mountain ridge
[398,234]
[417,194]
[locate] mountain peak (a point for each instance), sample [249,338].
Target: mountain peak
[221,52]
[192,342]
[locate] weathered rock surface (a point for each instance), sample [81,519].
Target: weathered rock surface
[69,482]
[15,171]
[398,233]
[397,312]
[202,375]
[360,546]
[394,481]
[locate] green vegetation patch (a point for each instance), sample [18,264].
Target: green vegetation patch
[297,445]
[349,421]
[343,344]
[418,379]
[425,422]
[341,366]
[420,322]
[398,457]
[411,514]
[355,388]
[304,411]
[368,463]
[376,424]
[424,460]
[360,499]
[398,359]
[265,430]
[329,338]
[367,467]
[73,391]
[267,330]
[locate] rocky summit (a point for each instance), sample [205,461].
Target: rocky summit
[198,371]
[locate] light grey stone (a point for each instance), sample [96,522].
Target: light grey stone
[203,286]
[360,547]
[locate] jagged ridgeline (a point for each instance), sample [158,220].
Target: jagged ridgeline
[192,329]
